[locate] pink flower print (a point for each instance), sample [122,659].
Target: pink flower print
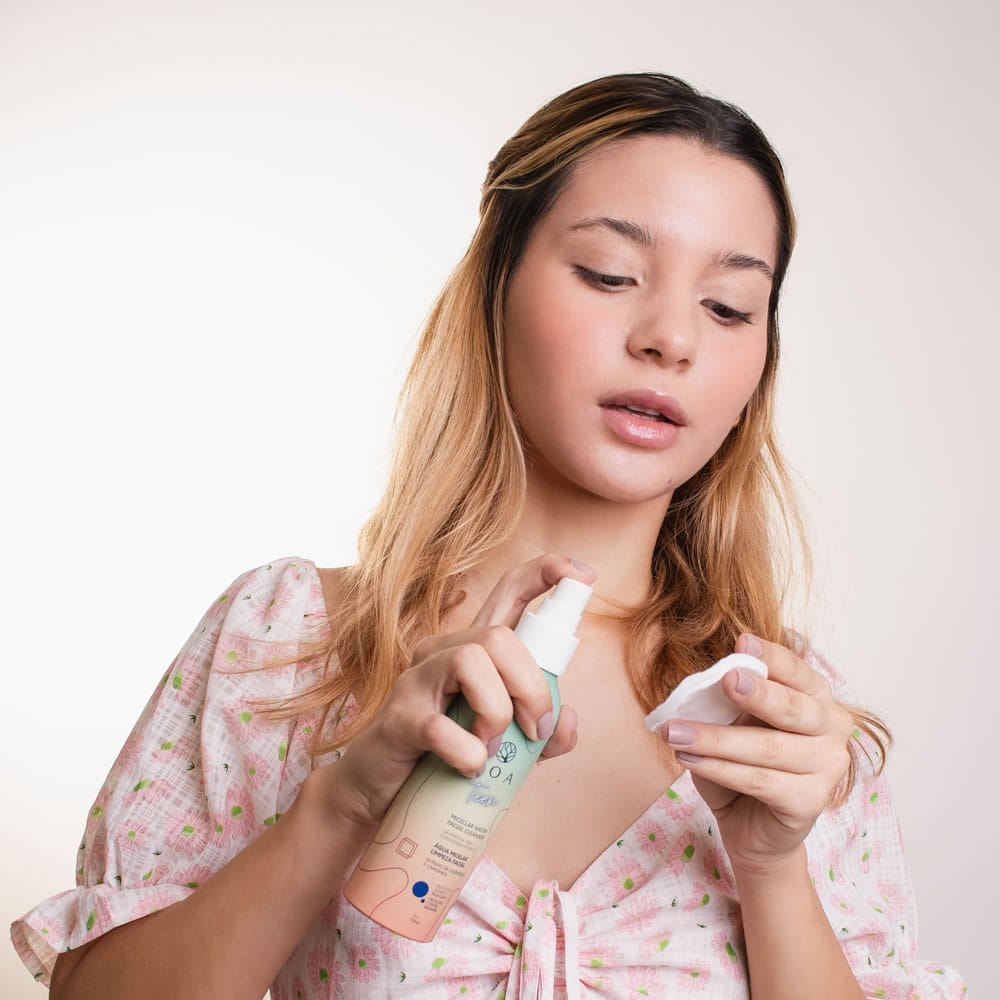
[718,871]
[871,852]
[179,750]
[128,757]
[363,963]
[695,977]
[326,974]
[698,897]
[193,877]
[188,832]
[652,837]
[233,653]
[641,981]
[451,928]
[145,790]
[623,875]
[255,769]
[681,852]
[513,899]
[51,930]
[462,989]
[893,896]
[265,607]
[97,921]
[881,986]
[185,680]
[394,945]
[243,722]
[876,803]
[132,836]
[446,967]
[152,902]
[728,949]
[153,876]
[598,956]
[239,822]
[674,805]
[637,913]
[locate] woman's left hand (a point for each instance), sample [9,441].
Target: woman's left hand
[769,775]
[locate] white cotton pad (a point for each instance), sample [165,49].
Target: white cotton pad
[700,697]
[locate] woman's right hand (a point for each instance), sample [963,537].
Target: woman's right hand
[490,666]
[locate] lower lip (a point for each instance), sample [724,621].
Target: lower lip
[644,432]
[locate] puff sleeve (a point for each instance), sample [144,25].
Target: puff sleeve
[863,881]
[203,771]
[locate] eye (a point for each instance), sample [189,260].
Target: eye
[605,282]
[726,314]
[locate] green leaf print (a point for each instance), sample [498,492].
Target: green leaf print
[177,681]
[438,963]
[282,750]
[144,783]
[688,852]
[91,920]
[671,794]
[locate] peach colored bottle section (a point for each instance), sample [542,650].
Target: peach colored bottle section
[440,821]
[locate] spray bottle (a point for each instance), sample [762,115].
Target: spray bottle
[440,821]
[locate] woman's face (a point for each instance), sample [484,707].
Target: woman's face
[644,288]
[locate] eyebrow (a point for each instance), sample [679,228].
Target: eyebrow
[637,233]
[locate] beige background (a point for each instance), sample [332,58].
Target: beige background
[221,224]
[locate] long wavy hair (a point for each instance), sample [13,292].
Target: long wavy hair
[722,563]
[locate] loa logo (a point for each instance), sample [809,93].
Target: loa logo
[507,752]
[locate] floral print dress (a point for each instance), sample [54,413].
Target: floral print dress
[656,915]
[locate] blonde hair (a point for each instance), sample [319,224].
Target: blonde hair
[457,481]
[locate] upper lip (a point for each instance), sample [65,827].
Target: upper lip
[649,399]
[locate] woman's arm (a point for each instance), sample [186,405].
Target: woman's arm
[792,951]
[230,938]
[766,785]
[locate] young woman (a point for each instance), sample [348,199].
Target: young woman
[594,388]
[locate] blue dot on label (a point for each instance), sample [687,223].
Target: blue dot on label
[420,889]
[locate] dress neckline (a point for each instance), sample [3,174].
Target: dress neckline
[681,785]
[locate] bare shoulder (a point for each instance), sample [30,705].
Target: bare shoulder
[334,583]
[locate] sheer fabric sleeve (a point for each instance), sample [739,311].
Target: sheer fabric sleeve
[203,771]
[862,878]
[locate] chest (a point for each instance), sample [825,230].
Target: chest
[573,807]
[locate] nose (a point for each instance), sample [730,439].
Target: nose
[664,334]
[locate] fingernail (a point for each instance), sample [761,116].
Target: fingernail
[582,566]
[480,772]
[680,735]
[744,682]
[688,758]
[546,726]
[751,645]
[493,746]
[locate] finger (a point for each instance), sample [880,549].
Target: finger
[790,796]
[779,705]
[758,746]
[408,729]
[783,665]
[520,585]
[469,669]
[564,738]
[500,679]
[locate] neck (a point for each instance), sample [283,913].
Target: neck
[616,539]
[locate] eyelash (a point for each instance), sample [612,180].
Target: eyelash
[605,282]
